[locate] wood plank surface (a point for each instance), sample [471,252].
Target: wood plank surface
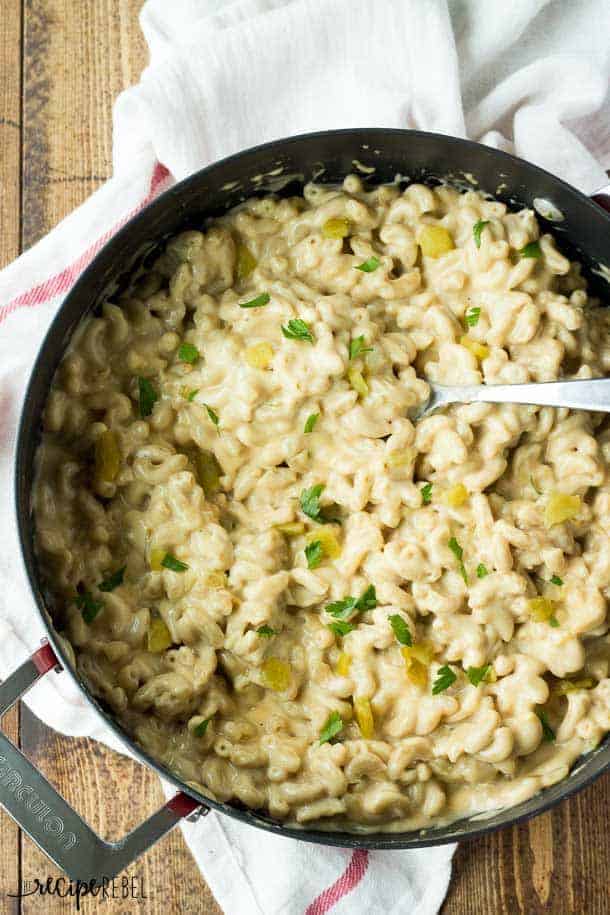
[62,63]
[10,190]
[78,56]
[556,863]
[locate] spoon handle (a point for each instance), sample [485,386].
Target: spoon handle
[581,394]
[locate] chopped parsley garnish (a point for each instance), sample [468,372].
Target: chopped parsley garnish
[556,580]
[112,581]
[554,622]
[333,726]
[212,414]
[477,229]
[482,570]
[444,679]
[368,599]
[357,347]
[201,728]
[310,505]
[311,423]
[477,675]
[88,607]
[310,502]
[296,329]
[531,250]
[426,493]
[344,609]
[148,397]
[266,632]
[548,734]
[192,395]
[188,353]
[369,265]
[401,630]
[263,299]
[175,565]
[340,627]
[472,317]
[314,554]
[458,552]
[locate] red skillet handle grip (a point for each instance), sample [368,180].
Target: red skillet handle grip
[46,816]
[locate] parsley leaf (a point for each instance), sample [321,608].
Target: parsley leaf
[444,678]
[556,580]
[188,353]
[314,554]
[148,397]
[357,347]
[401,630]
[554,622]
[213,415]
[266,632]
[170,562]
[192,395]
[333,726]
[368,599]
[202,727]
[477,229]
[368,266]
[472,317]
[477,675]
[263,299]
[311,422]
[310,506]
[426,493]
[548,734]
[340,627]
[297,330]
[310,502]
[458,552]
[112,581]
[531,250]
[482,570]
[344,609]
[88,607]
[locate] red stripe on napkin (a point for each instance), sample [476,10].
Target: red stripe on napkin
[61,282]
[349,880]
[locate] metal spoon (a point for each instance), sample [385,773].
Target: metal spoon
[582,394]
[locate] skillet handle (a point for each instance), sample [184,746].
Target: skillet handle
[50,821]
[602,197]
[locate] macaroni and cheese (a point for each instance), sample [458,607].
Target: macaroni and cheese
[286,591]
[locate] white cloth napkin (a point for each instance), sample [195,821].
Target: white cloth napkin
[528,76]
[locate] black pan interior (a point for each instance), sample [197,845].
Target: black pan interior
[283,167]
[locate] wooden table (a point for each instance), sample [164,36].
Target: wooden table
[62,63]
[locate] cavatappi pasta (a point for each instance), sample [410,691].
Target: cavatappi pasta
[286,591]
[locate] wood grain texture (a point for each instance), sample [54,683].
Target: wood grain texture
[10,168]
[556,863]
[78,56]
[56,92]
[10,129]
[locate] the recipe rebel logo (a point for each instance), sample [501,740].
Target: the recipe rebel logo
[125,887]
